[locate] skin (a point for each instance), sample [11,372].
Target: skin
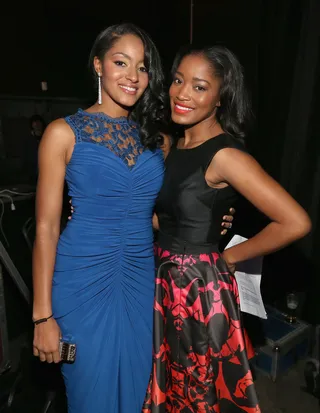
[229,166]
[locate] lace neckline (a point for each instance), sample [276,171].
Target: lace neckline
[104,116]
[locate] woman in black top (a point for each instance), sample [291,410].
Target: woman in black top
[200,351]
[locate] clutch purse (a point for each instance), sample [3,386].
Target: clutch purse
[67,352]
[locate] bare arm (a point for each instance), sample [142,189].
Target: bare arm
[54,151]
[289,221]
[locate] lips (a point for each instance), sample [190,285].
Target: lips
[182,109]
[130,90]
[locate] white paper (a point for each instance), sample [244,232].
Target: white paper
[248,277]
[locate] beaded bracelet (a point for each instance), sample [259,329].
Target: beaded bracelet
[42,320]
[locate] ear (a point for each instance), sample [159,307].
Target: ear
[97,66]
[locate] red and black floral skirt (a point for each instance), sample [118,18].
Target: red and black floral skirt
[200,361]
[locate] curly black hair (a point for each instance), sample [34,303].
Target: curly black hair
[150,112]
[234,113]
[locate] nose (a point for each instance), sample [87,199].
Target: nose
[183,93]
[132,75]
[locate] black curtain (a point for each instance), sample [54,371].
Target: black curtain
[300,172]
[287,135]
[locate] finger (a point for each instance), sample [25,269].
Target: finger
[35,352]
[69,218]
[56,357]
[226,224]
[49,357]
[69,201]
[232,211]
[224,232]
[42,356]
[228,218]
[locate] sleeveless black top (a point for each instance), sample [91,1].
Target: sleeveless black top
[187,208]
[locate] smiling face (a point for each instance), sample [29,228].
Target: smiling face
[124,76]
[195,91]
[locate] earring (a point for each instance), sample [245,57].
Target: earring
[99,90]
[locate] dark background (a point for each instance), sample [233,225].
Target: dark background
[277,42]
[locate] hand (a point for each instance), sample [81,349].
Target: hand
[227,221]
[46,341]
[71,209]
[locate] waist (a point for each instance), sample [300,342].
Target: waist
[181,246]
[192,235]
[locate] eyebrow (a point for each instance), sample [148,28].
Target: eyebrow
[122,54]
[125,55]
[197,79]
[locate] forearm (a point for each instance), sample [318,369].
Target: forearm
[272,238]
[44,254]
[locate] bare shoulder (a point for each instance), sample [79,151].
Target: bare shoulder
[227,162]
[234,158]
[57,136]
[59,130]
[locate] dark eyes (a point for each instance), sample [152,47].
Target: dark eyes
[177,81]
[119,63]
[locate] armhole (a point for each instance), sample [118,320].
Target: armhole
[74,128]
[210,160]
[226,145]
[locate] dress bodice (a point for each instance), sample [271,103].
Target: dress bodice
[119,135]
[112,179]
[187,207]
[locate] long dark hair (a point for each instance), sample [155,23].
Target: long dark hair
[150,112]
[234,113]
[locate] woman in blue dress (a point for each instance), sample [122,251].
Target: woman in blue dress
[94,283]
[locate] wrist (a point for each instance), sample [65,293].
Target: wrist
[41,320]
[44,312]
[228,257]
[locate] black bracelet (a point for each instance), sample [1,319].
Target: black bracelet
[42,320]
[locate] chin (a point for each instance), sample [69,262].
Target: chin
[128,101]
[181,119]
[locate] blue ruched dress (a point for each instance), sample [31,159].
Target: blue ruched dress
[103,284]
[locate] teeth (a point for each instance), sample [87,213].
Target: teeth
[131,89]
[183,108]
